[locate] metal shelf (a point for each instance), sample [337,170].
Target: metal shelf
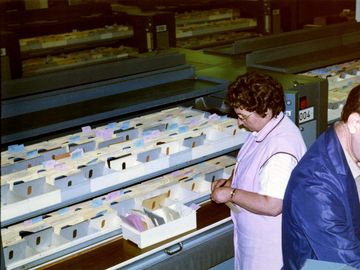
[115,187]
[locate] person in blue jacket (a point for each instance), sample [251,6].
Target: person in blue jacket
[321,207]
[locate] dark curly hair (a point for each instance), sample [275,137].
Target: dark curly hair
[352,104]
[256,92]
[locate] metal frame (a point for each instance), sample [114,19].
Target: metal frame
[27,100]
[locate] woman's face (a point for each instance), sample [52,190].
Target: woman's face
[251,120]
[355,136]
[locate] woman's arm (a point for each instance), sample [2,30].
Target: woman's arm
[253,202]
[273,179]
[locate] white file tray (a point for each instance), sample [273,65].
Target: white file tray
[81,232]
[72,185]
[186,222]
[213,174]
[61,245]
[197,144]
[95,174]
[231,127]
[228,171]
[184,195]
[25,175]
[218,141]
[124,207]
[122,170]
[41,240]
[176,153]
[150,196]
[158,126]
[216,173]
[86,146]
[223,161]
[153,160]
[74,231]
[334,114]
[68,180]
[128,166]
[21,165]
[42,194]
[107,221]
[109,178]
[198,185]
[345,83]
[51,196]
[14,210]
[16,251]
[7,196]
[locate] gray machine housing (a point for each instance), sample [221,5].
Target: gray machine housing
[297,90]
[305,103]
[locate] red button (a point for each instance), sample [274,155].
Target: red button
[303,103]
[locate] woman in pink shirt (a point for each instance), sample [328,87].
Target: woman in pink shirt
[264,163]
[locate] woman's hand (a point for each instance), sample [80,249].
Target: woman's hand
[221,190]
[221,194]
[220,183]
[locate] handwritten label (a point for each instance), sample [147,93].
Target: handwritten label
[96,203]
[31,154]
[33,221]
[92,161]
[125,125]
[49,164]
[183,129]
[111,125]
[16,148]
[172,126]
[63,211]
[113,195]
[214,117]
[73,139]
[176,173]
[105,134]
[61,167]
[78,153]
[194,206]
[152,134]
[86,129]
[194,122]
[139,143]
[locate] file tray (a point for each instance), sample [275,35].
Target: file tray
[170,220]
[15,252]
[32,196]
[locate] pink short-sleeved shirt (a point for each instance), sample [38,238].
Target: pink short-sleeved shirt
[257,238]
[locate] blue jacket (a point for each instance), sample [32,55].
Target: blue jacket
[321,209]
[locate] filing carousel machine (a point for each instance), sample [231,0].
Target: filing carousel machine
[306,104]
[73,171]
[332,55]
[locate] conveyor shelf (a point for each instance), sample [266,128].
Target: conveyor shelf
[63,45]
[245,46]
[196,17]
[309,55]
[122,254]
[312,60]
[111,106]
[90,195]
[214,40]
[131,85]
[212,30]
